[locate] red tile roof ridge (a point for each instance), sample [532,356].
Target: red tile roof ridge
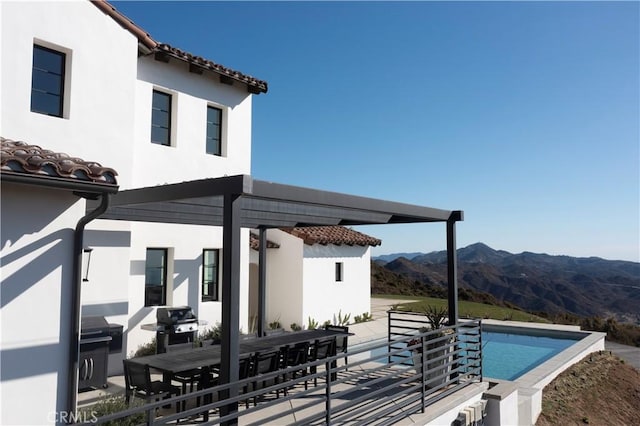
[152,46]
[22,158]
[143,36]
[337,235]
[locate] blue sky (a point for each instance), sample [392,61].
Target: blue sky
[524,115]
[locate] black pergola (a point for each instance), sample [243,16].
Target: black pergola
[237,202]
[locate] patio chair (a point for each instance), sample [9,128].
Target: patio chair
[321,349]
[341,341]
[138,383]
[297,354]
[187,377]
[244,369]
[263,363]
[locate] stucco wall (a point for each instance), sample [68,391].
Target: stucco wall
[301,281]
[186,158]
[323,297]
[100,85]
[37,270]
[284,280]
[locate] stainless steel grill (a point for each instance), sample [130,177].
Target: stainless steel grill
[175,325]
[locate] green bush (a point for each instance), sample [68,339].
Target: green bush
[113,404]
[295,327]
[145,349]
[312,325]
[213,333]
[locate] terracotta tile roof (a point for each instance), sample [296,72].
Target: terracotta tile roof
[18,157]
[338,235]
[254,242]
[198,63]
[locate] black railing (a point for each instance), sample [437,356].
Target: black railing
[382,383]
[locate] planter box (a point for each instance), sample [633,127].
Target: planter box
[435,368]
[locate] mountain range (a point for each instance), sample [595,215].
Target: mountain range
[535,282]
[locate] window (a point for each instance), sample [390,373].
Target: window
[339,271]
[214,130]
[47,81]
[210,261]
[155,277]
[161,118]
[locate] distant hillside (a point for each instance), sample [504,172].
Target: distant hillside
[536,282]
[389,257]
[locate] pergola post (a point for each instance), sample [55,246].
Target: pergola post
[230,348]
[262,281]
[452,266]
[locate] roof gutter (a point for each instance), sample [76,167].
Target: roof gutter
[74,349]
[60,183]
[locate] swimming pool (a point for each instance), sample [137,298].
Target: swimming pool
[508,356]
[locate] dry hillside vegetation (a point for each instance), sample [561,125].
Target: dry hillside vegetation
[599,390]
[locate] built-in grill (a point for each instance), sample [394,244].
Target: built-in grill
[94,352]
[175,325]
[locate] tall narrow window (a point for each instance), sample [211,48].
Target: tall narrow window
[214,130]
[339,271]
[155,277]
[210,259]
[47,81]
[161,118]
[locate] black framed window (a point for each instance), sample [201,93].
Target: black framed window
[47,81]
[339,271]
[155,277]
[214,130]
[161,118]
[210,262]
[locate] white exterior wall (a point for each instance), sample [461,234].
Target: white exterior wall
[183,277]
[99,89]
[186,158]
[37,272]
[107,118]
[323,297]
[284,291]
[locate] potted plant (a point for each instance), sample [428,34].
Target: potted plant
[434,367]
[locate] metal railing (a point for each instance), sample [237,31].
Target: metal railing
[379,385]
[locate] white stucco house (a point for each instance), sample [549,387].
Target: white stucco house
[312,265]
[99,88]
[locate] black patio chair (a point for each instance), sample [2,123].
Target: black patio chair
[297,354]
[263,363]
[321,349]
[188,377]
[138,383]
[341,341]
[244,369]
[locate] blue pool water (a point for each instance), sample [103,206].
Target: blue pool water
[508,356]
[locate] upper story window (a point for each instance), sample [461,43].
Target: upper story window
[47,81]
[339,271]
[210,260]
[214,130]
[161,118]
[155,277]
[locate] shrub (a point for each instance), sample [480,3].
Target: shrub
[213,333]
[312,325]
[295,327]
[113,404]
[145,349]
[273,325]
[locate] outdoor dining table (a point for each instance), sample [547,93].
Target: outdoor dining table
[209,356]
[171,363]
